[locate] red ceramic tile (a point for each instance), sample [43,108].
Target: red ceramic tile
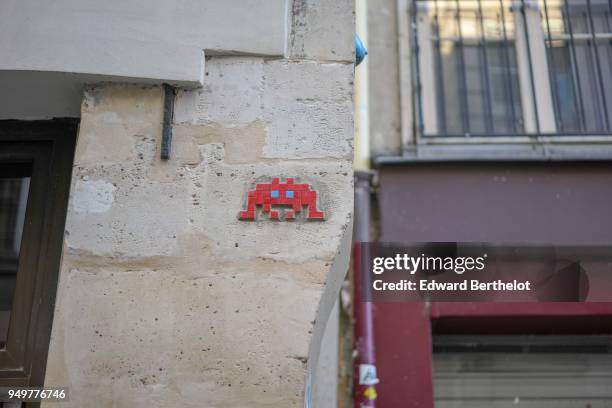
[303,195]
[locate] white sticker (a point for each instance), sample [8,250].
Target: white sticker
[367,374]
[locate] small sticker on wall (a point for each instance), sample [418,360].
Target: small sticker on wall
[367,374]
[283,201]
[370,393]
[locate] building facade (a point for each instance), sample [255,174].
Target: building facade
[130,136]
[488,121]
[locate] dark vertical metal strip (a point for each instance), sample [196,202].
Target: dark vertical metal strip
[507,72]
[441,101]
[417,60]
[530,61]
[552,73]
[575,66]
[166,145]
[463,80]
[487,81]
[598,64]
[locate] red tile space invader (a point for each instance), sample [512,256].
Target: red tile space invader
[286,194]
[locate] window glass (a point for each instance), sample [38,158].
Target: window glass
[522,371]
[476,75]
[13,199]
[578,40]
[471,86]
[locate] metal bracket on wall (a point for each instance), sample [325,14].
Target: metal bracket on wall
[166,145]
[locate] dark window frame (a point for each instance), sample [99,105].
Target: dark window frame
[49,147]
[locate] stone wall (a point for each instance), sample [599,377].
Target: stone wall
[384,78]
[166,299]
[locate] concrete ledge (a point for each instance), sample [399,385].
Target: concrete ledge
[502,152]
[136,39]
[30,95]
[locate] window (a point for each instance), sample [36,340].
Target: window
[579,46]
[476,73]
[511,68]
[14,187]
[522,370]
[35,168]
[462,354]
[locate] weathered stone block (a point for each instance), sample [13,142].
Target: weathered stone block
[323,30]
[308,110]
[231,95]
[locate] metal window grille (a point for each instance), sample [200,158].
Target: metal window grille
[475,66]
[578,37]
